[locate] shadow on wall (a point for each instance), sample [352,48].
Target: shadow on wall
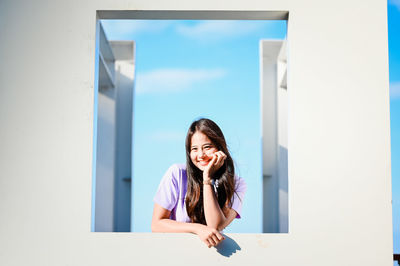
[228,247]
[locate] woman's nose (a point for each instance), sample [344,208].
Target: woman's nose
[201,154]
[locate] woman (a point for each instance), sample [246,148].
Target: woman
[204,196]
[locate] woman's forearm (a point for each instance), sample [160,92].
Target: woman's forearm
[215,218]
[210,236]
[172,226]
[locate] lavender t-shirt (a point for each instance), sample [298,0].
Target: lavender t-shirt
[171,193]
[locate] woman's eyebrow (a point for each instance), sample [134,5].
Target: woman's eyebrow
[207,144]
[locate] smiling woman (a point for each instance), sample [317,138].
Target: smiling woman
[204,196]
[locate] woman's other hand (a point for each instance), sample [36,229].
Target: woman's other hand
[210,236]
[216,162]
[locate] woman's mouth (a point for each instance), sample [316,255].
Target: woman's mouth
[204,163]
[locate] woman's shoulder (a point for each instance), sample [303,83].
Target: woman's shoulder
[239,179]
[175,175]
[177,170]
[240,184]
[177,167]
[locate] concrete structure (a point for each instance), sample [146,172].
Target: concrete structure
[338,137]
[112,156]
[274,107]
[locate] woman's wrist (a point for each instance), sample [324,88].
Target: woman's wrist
[197,227]
[207,181]
[206,176]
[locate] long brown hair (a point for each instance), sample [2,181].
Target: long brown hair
[225,175]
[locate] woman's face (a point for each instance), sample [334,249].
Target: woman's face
[201,150]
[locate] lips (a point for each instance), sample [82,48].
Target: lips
[203,162]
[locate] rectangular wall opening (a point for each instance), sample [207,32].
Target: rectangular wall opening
[144,109]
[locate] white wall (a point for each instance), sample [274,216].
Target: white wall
[112,208]
[105,165]
[125,69]
[274,136]
[282,134]
[339,160]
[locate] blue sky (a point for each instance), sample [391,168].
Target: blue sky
[191,69]
[394,76]
[191,66]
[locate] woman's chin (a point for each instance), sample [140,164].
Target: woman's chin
[201,167]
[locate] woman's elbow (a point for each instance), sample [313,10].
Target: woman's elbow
[154,226]
[217,226]
[221,226]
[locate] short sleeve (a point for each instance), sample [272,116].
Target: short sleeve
[238,195]
[167,192]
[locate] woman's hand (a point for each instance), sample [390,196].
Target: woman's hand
[210,236]
[216,162]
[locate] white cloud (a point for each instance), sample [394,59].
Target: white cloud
[218,29]
[395,90]
[130,27]
[395,3]
[174,80]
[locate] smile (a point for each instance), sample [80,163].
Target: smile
[204,163]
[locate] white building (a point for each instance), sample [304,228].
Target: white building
[339,202]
